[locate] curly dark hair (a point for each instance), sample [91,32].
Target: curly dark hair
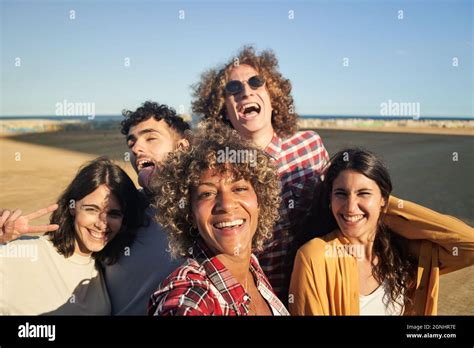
[210,95]
[100,171]
[396,266]
[173,183]
[158,112]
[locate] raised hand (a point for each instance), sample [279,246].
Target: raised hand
[13,224]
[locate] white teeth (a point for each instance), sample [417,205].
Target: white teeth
[97,235]
[229,223]
[142,162]
[353,218]
[248,105]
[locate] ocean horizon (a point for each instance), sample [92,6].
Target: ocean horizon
[321,117]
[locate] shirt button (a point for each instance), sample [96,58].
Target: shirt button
[246,297]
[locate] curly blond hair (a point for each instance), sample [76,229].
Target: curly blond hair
[175,179]
[209,92]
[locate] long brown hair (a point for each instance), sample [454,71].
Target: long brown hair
[395,265]
[100,171]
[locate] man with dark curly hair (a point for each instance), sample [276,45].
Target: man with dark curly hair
[152,131]
[250,95]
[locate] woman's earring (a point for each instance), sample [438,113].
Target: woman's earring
[192,232]
[190,250]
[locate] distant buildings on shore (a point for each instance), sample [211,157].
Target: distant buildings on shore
[447,126]
[37,124]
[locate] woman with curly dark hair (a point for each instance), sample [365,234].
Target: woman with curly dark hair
[249,94]
[218,201]
[363,266]
[60,272]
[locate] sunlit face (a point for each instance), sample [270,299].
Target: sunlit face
[150,142]
[356,203]
[249,111]
[225,212]
[97,220]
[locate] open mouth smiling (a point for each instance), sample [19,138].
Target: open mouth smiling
[352,218]
[249,110]
[229,227]
[229,224]
[145,168]
[144,163]
[102,236]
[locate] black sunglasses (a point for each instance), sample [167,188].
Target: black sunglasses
[236,86]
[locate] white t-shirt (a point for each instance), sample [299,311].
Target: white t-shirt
[36,280]
[376,303]
[140,270]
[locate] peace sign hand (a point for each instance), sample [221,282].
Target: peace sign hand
[13,224]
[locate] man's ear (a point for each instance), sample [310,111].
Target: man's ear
[182,144]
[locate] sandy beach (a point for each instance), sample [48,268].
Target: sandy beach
[35,168]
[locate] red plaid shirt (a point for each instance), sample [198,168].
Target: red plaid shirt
[204,286]
[299,161]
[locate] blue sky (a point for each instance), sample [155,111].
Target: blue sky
[82,59]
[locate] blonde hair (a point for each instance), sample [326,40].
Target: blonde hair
[210,94]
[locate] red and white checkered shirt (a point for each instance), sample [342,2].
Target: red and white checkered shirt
[204,286]
[299,160]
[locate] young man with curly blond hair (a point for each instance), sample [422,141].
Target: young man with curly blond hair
[250,95]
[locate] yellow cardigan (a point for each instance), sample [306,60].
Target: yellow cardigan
[323,285]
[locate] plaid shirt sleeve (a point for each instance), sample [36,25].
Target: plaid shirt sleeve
[310,169]
[183,293]
[299,160]
[204,286]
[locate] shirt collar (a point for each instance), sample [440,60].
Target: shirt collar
[274,149]
[231,290]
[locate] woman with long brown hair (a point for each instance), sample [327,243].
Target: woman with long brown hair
[363,266]
[60,272]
